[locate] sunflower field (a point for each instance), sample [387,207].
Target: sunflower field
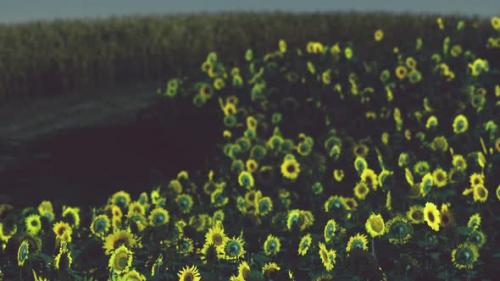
[335,164]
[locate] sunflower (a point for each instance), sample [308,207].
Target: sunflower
[244,270]
[432,216]
[360,164]
[327,257]
[270,268]
[215,235]
[63,232]
[426,184]
[73,215]
[184,202]
[232,249]
[272,245]
[446,215]
[474,221]
[495,23]
[246,180]
[439,177]
[185,246]
[439,144]
[218,216]
[375,225]
[357,241]
[119,238]
[335,203]
[304,244]
[479,193]
[360,150]
[6,233]
[401,72]
[100,225]
[432,122]
[399,230]
[290,168]
[23,253]
[159,216]
[361,190]
[421,168]
[264,206]
[378,35]
[120,260]
[460,124]
[46,210]
[33,224]
[370,178]
[133,275]
[136,208]
[497,192]
[120,198]
[252,165]
[329,230]
[189,273]
[415,214]
[464,256]
[477,238]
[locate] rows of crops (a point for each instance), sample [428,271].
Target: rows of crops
[336,164]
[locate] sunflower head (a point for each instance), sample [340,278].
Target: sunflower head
[120,238]
[100,225]
[432,216]
[121,198]
[264,206]
[479,193]
[72,216]
[375,225]
[134,275]
[477,238]
[329,230]
[378,35]
[270,269]
[185,246]
[23,253]
[232,249]
[439,177]
[120,260]
[45,209]
[304,244]
[399,230]
[460,124]
[272,245]
[189,273]
[464,256]
[361,190]
[246,180]
[327,256]
[159,216]
[244,270]
[184,202]
[215,235]
[474,221]
[33,224]
[63,232]
[358,241]
[290,168]
[370,178]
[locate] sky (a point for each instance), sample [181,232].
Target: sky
[27,10]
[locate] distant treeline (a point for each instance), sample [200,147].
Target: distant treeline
[61,56]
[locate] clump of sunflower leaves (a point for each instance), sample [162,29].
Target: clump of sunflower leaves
[334,164]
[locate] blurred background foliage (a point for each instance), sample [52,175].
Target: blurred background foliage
[47,58]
